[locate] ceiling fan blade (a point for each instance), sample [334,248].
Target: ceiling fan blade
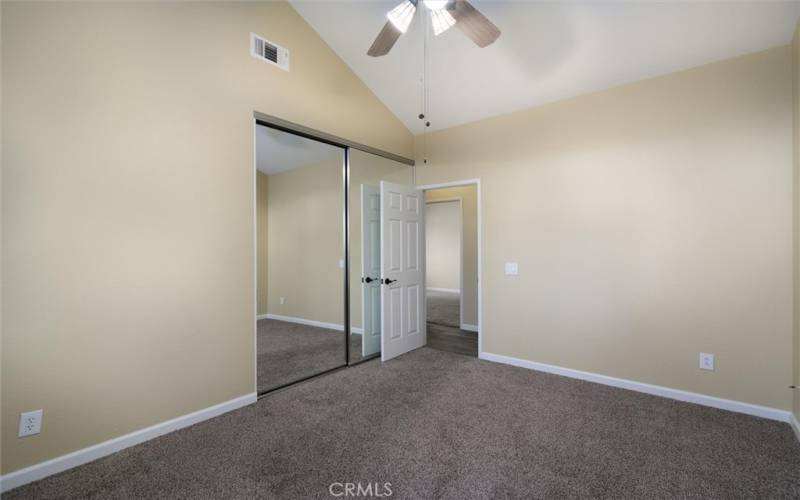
[473,24]
[385,40]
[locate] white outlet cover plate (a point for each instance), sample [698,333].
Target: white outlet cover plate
[706,361]
[512,268]
[30,423]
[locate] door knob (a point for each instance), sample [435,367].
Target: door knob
[367,280]
[387,281]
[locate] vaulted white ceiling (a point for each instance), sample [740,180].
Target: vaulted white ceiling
[547,51]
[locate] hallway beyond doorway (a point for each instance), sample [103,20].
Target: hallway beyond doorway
[444,333]
[444,308]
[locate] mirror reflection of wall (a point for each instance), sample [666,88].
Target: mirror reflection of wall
[366,173]
[300,276]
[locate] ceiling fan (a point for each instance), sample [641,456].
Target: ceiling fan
[444,14]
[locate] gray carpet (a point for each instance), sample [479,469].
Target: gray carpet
[440,425]
[443,308]
[288,352]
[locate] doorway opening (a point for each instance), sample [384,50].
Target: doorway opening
[444,256]
[452,266]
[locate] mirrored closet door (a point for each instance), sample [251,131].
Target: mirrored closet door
[300,257]
[365,175]
[318,299]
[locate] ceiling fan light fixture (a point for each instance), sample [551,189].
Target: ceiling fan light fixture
[444,15]
[435,4]
[402,15]
[441,21]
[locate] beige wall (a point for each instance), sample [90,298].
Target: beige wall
[262,242]
[796,151]
[306,242]
[127,205]
[443,245]
[469,198]
[651,222]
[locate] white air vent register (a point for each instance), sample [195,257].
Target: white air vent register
[267,51]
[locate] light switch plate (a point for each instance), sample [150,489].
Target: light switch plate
[706,361]
[512,268]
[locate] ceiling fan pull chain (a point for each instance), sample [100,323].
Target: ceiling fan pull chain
[425,89]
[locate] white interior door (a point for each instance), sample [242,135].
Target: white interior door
[370,269]
[402,260]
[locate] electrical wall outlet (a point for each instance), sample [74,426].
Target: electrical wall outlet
[30,423]
[706,361]
[283,300]
[511,269]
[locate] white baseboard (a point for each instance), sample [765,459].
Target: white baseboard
[795,426]
[310,322]
[469,328]
[303,321]
[100,450]
[656,390]
[448,290]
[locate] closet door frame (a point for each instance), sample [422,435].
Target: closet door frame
[346,145]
